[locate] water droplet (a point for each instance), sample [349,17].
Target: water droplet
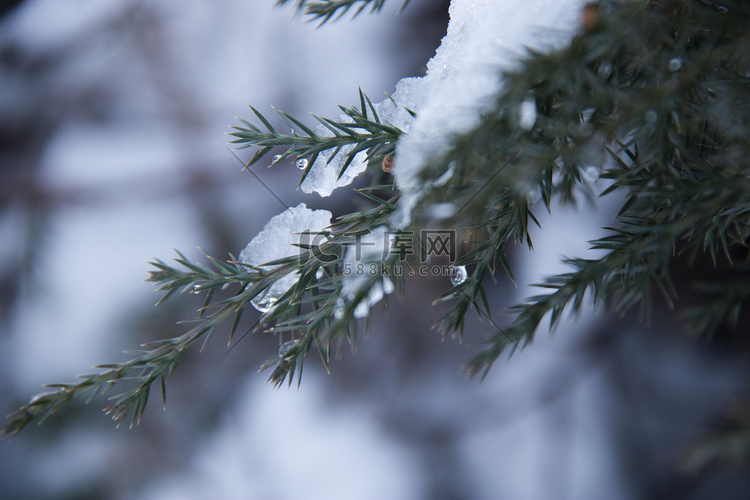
[675,64]
[196,289]
[285,348]
[264,303]
[458,275]
[275,159]
[651,116]
[338,312]
[591,173]
[301,163]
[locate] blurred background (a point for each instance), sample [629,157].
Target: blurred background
[112,152]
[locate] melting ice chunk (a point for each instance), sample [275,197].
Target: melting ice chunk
[323,175]
[264,302]
[277,240]
[458,275]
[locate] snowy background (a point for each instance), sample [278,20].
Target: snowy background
[112,121]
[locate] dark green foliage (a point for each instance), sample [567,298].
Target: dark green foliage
[667,84]
[653,95]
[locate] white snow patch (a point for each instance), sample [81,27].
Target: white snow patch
[527,114]
[484,37]
[277,240]
[323,177]
[442,210]
[464,76]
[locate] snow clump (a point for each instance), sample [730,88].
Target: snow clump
[276,241]
[323,175]
[484,37]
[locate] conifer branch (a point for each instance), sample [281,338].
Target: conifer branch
[149,365]
[651,98]
[359,130]
[311,313]
[683,193]
[325,10]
